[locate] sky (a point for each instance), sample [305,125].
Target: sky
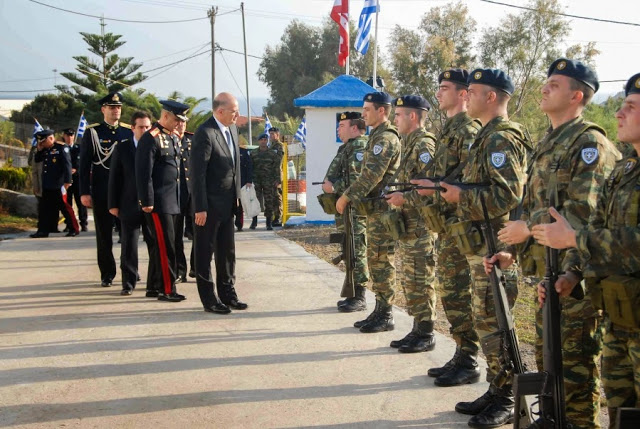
[35,39]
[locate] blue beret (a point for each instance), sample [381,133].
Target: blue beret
[274,130]
[576,70]
[348,115]
[413,102]
[459,76]
[378,98]
[111,99]
[633,85]
[41,135]
[175,107]
[492,77]
[263,136]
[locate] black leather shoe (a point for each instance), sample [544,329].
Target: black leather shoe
[183,278]
[464,371]
[239,229]
[382,322]
[106,282]
[498,413]
[419,343]
[126,292]
[172,297]
[152,294]
[475,407]
[236,305]
[137,277]
[437,372]
[219,308]
[192,274]
[71,234]
[254,222]
[374,314]
[84,228]
[39,235]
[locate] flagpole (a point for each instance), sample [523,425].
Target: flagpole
[346,71]
[80,122]
[246,74]
[375,51]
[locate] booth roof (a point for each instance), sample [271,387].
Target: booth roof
[343,91]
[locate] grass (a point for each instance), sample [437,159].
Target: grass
[10,224]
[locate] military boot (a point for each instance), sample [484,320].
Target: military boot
[357,303]
[370,317]
[437,372]
[276,222]
[423,341]
[269,227]
[498,413]
[396,344]
[383,322]
[254,222]
[475,407]
[465,371]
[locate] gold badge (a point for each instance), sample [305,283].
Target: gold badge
[399,102]
[343,116]
[631,163]
[115,97]
[477,75]
[561,65]
[369,97]
[447,75]
[54,160]
[638,83]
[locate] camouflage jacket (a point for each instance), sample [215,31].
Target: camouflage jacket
[498,156]
[266,166]
[350,154]
[277,146]
[581,158]
[380,162]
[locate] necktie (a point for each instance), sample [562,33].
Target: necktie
[230,144]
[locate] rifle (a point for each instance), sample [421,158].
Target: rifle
[505,339]
[548,385]
[411,186]
[317,183]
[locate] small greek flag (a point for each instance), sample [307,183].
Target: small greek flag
[82,126]
[301,134]
[267,125]
[364,25]
[36,128]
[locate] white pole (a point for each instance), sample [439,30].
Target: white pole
[346,71]
[375,52]
[246,74]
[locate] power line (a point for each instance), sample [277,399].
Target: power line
[32,90]
[238,85]
[26,80]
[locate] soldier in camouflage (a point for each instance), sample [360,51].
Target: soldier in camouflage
[456,137]
[417,242]
[381,160]
[607,248]
[571,163]
[266,176]
[348,161]
[277,146]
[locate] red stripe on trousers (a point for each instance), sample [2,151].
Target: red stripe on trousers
[162,249]
[71,213]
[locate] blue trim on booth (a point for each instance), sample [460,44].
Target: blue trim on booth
[343,91]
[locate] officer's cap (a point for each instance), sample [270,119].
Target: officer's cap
[69,131]
[413,102]
[41,135]
[577,70]
[263,136]
[112,99]
[378,98]
[458,76]
[348,115]
[175,107]
[274,130]
[492,77]
[633,85]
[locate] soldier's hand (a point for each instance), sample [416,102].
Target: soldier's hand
[66,186]
[542,294]
[557,235]
[341,204]
[424,182]
[86,200]
[514,232]
[147,209]
[327,187]
[451,194]
[114,211]
[73,171]
[395,199]
[566,282]
[200,218]
[504,259]
[249,184]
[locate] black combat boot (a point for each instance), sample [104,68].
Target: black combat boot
[276,222]
[269,227]
[475,407]
[465,371]
[384,321]
[357,303]
[395,344]
[437,372]
[498,413]
[423,341]
[370,317]
[254,222]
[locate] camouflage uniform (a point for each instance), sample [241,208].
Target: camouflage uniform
[381,159]
[608,246]
[352,154]
[277,146]
[266,171]
[573,162]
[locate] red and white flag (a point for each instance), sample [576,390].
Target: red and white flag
[340,14]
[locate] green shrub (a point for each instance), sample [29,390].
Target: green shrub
[13,178]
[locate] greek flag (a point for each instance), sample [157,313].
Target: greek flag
[364,25]
[267,125]
[36,128]
[301,134]
[82,126]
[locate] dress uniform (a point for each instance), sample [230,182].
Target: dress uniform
[73,193]
[98,143]
[184,220]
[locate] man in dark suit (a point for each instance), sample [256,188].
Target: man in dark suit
[123,203]
[215,180]
[73,193]
[246,176]
[184,221]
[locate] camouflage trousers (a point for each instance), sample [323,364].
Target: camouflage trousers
[267,196]
[418,268]
[361,271]
[621,368]
[484,315]
[454,281]
[581,336]
[380,258]
[277,209]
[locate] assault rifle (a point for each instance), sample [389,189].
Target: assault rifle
[505,340]
[548,385]
[347,241]
[407,187]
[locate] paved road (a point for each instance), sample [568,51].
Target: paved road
[73,354]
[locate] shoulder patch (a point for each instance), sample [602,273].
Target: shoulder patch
[425,157]
[359,156]
[589,155]
[377,149]
[154,131]
[498,159]
[123,125]
[93,125]
[630,165]
[66,149]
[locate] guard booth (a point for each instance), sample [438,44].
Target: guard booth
[344,93]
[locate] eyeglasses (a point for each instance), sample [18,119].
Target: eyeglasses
[235,112]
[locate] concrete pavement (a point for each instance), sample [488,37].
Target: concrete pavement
[74,354]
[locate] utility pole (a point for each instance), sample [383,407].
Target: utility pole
[55,75]
[246,73]
[212,16]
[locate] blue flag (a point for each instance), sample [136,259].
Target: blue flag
[364,25]
[36,128]
[82,126]
[301,134]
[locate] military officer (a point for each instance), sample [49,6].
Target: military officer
[276,145]
[607,250]
[416,242]
[266,171]
[380,162]
[344,170]
[158,187]
[98,143]
[73,193]
[184,222]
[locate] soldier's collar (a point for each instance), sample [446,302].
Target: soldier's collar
[112,127]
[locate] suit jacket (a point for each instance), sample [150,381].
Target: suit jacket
[246,167]
[122,182]
[215,177]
